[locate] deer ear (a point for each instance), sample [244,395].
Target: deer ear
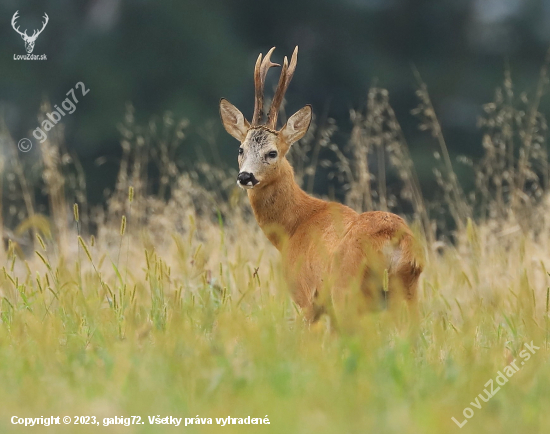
[233,120]
[297,125]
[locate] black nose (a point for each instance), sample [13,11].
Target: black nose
[246,178]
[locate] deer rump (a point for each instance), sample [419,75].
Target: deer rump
[354,263]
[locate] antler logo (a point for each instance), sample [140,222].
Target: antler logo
[29,40]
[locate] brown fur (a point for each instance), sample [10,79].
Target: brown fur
[328,244]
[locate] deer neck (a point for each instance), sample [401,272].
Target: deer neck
[281,206]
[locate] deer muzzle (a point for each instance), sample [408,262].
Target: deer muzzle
[246,180]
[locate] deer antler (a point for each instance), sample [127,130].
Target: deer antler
[13,20]
[37,32]
[260,72]
[284,81]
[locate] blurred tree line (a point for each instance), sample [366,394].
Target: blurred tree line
[182,56]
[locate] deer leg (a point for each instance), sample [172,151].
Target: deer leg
[353,287]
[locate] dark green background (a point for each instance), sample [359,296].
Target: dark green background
[182,56]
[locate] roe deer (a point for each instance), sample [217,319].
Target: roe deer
[332,256]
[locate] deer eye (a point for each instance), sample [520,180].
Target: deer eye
[272,154]
[241,151]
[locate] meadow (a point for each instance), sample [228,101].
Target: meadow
[169,301]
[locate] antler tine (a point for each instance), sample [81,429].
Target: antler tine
[258,92]
[284,81]
[260,72]
[293,62]
[267,63]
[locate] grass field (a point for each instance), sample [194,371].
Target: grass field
[177,307]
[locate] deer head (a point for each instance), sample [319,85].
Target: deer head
[263,147]
[29,40]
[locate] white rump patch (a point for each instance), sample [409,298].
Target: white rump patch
[393,255]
